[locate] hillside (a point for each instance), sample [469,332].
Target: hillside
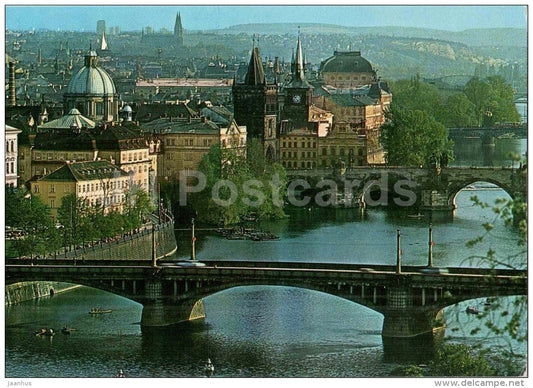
[471,37]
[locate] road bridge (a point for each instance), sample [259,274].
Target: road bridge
[410,298]
[426,188]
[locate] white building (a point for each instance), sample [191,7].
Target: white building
[11,152]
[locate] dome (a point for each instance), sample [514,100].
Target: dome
[346,62]
[127,108]
[91,79]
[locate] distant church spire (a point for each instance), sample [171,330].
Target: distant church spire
[178,30]
[103,43]
[298,62]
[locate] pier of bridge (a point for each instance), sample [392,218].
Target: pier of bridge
[410,300]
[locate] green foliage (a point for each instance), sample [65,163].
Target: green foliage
[414,94]
[484,101]
[30,215]
[459,360]
[414,138]
[493,100]
[82,222]
[238,185]
[459,112]
[408,371]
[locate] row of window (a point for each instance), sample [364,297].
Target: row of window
[52,156]
[347,78]
[290,144]
[92,187]
[302,154]
[134,156]
[289,164]
[11,168]
[138,169]
[11,146]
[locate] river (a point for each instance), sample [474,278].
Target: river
[268,331]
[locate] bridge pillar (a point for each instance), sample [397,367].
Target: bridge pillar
[160,310]
[411,322]
[403,320]
[435,200]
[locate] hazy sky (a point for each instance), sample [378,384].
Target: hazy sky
[133,17]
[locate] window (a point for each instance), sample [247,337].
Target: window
[52,203]
[52,189]
[35,189]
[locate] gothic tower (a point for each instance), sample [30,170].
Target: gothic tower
[256,106]
[298,94]
[178,31]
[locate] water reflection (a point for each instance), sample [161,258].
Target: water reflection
[487,151]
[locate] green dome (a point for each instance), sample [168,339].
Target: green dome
[91,79]
[346,62]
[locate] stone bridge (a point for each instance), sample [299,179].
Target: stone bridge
[410,298]
[425,188]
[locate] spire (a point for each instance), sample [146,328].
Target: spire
[255,74]
[103,43]
[178,29]
[299,67]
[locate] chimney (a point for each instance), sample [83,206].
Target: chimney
[12,91]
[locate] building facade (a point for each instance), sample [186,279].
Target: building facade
[11,153]
[185,141]
[75,138]
[99,183]
[256,106]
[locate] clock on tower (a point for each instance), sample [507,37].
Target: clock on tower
[296,98]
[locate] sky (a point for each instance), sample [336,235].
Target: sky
[75,16]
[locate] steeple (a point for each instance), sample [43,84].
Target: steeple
[178,30]
[298,67]
[103,43]
[299,62]
[255,74]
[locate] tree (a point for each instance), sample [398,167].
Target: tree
[414,94]
[460,112]
[413,138]
[459,360]
[237,185]
[29,214]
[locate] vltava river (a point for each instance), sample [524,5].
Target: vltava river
[266,331]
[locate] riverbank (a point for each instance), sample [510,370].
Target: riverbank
[26,291]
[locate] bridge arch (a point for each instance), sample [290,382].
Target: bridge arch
[473,183]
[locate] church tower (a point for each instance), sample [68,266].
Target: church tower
[298,94]
[178,31]
[256,106]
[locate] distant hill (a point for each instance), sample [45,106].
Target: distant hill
[470,37]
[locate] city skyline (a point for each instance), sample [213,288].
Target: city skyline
[205,17]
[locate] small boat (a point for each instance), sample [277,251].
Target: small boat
[66,330]
[472,310]
[488,302]
[120,373]
[419,215]
[45,332]
[99,311]
[209,368]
